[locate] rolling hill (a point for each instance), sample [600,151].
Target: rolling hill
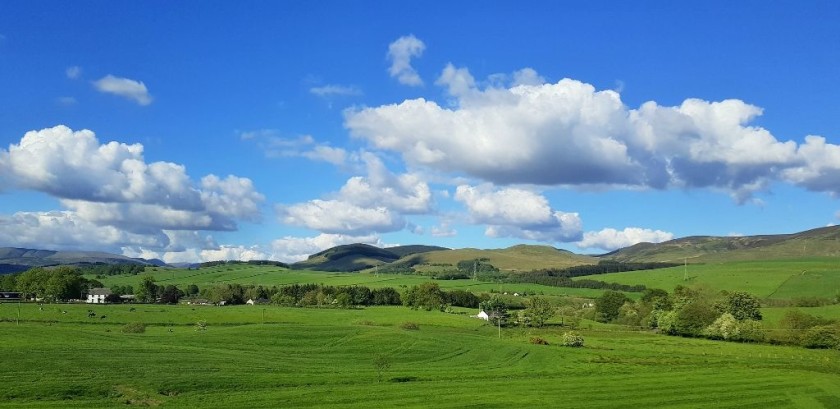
[516,258]
[820,242]
[357,257]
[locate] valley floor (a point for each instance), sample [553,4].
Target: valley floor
[286,357]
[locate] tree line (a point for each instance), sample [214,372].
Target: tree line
[700,312]
[100,270]
[49,284]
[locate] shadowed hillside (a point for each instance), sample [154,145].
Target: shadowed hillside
[517,258]
[356,257]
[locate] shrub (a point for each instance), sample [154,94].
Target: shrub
[134,328]
[572,339]
[201,325]
[410,326]
[821,337]
[727,327]
[538,341]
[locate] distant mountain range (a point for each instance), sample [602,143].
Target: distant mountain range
[821,242]
[14,259]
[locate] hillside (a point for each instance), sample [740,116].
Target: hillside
[517,258]
[821,242]
[356,257]
[13,259]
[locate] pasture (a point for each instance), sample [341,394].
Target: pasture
[271,276]
[254,356]
[778,279]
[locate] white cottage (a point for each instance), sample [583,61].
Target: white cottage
[483,316]
[98,295]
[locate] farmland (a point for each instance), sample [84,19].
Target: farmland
[776,279]
[62,356]
[292,357]
[270,276]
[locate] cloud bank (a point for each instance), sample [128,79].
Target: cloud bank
[570,134]
[112,196]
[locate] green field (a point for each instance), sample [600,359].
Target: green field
[270,276]
[779,279]
[287,357]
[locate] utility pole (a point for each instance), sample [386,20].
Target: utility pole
[685,269]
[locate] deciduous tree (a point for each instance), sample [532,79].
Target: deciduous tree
[539,311]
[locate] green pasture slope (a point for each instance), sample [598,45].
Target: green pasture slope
[776,279]
[270,276]
[285,357]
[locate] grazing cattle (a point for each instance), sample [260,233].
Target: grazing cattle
[103,317]
[91,314]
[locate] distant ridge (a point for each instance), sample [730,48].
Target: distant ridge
[356,257]
[15,259]
[820,242]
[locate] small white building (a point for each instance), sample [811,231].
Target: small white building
[257,301]
[97,295]
[483,316]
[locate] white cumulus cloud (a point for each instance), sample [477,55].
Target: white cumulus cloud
[124,87]
[519,213]
[375,203]
[338,217]
[611,239]
[66,230]
[109,190]
[570,134]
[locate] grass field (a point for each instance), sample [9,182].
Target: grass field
[780,279]
[269,276]
[324,358]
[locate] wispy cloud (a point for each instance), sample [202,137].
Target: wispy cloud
[124,87]
[400,52]
[73,72]
[335,90]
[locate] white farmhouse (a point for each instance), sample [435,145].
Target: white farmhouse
[98,295]
[483,316]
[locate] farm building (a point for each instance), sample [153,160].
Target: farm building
[257,301]
[482,315]
[97,295]
[9,295]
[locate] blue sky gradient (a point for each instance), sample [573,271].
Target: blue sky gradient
[193,131]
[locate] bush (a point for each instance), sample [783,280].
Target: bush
[410,326]
[538,341]
[572,339]
[134,328]
[821,337]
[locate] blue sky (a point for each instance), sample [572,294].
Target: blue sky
[195,131]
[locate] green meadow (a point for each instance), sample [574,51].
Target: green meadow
[271,276]
[252,356]
[775,279]
[59,356]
